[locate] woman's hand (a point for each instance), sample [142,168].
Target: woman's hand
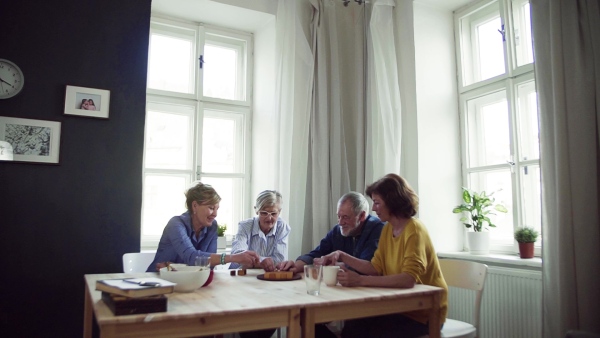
[247,259]
[348,277]
[267,264]
[330,259]
[160,266]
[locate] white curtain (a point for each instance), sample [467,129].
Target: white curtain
[339,102]
[567,52]
[355,119]
[293,94]
[383,96]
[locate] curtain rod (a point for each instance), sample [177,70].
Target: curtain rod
[360,2]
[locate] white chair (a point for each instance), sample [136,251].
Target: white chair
[137,261]
[464,275]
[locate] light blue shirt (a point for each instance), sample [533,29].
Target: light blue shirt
[250,237]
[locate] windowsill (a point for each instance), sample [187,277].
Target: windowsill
[505,260]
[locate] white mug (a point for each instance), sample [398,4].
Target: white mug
[330,274]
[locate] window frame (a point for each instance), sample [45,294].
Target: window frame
[507,82]
[241,108]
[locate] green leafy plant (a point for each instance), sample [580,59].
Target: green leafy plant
[526,235]
[479,207]
[221,230]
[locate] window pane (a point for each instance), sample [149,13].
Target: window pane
[527,116]
[163,198]
[171,62]
[522,30]
[169,137]
[531,197]
[482,45]
[231,192]
[488,130]
[222,143]
[224,68]
[491,49]
[497,182]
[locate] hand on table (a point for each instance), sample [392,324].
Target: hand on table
[267,264]
[348,277]
[160,265]
[290,266]
[247,259]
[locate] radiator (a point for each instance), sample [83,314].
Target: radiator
[511,306]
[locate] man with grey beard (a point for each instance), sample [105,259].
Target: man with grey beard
[357,234]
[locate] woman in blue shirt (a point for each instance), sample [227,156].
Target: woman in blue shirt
[194,233]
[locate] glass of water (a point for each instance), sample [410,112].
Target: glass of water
[203,262]
[313,275]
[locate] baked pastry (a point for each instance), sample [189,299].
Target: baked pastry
[279,275]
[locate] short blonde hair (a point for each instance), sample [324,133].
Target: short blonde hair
[203,194]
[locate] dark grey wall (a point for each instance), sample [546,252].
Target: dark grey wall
[59,222]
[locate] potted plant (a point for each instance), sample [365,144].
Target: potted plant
[221,242]
[526,237]
[479,207]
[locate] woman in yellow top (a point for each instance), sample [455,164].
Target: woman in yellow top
[405,257]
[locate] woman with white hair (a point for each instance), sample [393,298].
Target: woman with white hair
[266,233]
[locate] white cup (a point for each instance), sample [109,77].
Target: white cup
[330,274]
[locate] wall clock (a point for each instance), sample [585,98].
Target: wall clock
[11,79]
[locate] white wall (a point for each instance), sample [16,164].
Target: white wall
[264,121]
[439,166]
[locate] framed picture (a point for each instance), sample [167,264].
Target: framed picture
[88,102]
[26,140]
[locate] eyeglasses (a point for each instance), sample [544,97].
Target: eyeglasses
[267,214]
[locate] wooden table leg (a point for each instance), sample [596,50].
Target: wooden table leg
[88,313]
[434,317]
[308,323]
[293,329]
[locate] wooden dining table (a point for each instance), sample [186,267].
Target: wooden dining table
[244,303]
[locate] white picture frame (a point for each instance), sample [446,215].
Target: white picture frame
[28,140]
[77,102]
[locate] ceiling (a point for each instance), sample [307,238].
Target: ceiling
[219,12]
[228,13]
[450,5]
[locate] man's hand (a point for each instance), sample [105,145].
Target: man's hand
[295,267]
[286,266]
[330,259]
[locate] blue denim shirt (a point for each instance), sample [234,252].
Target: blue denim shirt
[362,246]
[179,245]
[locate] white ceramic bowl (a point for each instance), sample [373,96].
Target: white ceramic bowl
[176,266]
[188,278]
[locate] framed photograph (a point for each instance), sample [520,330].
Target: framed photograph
[26,140]
[88,102]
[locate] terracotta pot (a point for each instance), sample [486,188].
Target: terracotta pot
[526,250]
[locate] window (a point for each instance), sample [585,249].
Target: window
[498,107]
[197,122]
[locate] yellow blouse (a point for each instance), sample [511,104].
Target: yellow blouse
[411,252]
